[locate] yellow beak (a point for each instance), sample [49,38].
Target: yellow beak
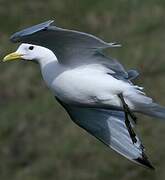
[12,56]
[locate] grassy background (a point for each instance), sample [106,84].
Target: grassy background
[38,141]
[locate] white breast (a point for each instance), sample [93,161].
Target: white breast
[83,84]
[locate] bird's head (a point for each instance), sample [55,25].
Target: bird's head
[31,52]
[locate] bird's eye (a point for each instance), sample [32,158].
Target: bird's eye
[31,47]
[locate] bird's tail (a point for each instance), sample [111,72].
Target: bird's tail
[144,104]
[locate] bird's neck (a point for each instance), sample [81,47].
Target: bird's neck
[50,69]
[47,60]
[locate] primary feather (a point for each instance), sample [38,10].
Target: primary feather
[109,127]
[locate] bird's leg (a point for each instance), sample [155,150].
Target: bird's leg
[127,122]
[130,129]
[126,108]
[133,117]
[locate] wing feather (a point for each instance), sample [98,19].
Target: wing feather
[71,47]
[109,127]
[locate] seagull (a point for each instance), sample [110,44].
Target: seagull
[95,90]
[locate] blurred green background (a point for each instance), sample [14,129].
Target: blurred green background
[38,141]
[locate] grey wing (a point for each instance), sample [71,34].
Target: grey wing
[71,47]
[109,127]
[114,66]
[64,43]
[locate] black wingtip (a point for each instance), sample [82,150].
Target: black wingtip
[144,161]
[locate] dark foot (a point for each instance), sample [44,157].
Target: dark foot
[126,109]
[130,129]
[127,122]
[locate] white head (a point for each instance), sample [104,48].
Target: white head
[33,53]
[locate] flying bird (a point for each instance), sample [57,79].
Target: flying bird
[95,90]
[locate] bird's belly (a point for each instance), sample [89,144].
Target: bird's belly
[72,90]
[84,90]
